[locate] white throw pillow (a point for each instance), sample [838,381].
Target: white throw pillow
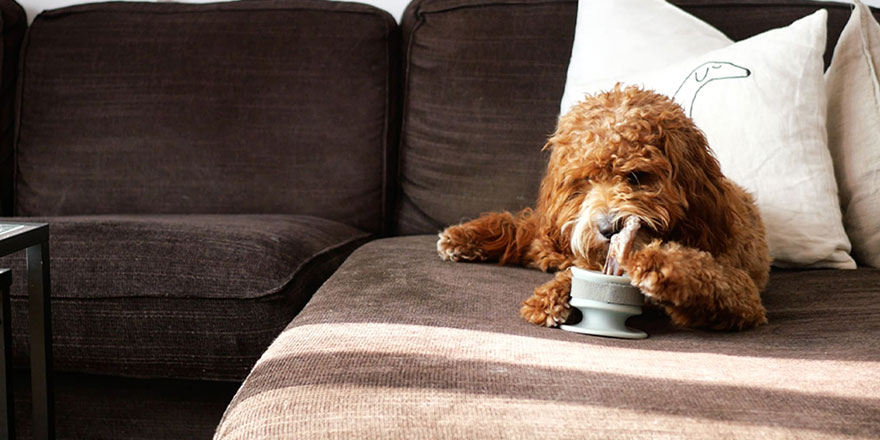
[853,85]
[761,103]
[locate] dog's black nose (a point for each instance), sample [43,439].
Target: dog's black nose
[607,228]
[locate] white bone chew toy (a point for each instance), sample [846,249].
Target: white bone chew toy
[621,244]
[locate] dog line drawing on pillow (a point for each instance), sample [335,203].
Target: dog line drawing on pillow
[701,251]
[702,76]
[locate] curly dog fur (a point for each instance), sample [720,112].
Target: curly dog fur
[702,252]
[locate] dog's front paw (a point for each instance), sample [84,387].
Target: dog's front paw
[653,271]
[454,244]
[544,308]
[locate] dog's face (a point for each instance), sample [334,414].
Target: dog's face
[630,152]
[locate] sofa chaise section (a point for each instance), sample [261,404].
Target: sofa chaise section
[399,345]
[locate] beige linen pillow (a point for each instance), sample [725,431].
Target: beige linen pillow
[853,87]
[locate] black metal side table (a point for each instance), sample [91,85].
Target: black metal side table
[34,237]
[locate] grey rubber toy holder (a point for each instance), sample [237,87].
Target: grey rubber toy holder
[606,302]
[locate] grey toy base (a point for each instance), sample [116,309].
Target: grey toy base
[604,319]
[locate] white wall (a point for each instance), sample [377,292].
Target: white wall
[395,7]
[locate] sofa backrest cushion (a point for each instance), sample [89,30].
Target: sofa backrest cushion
[278,106]
[483,81]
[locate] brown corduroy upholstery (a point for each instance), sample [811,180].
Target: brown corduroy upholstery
[194,296]
[266,106]
[400,345]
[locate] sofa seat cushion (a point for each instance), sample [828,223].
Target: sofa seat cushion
[398,344]
[189,296]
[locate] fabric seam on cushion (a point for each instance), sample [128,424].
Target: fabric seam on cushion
[419,210]
[326,250]
[384,213]
[269,292]
[405,114]
[439,9]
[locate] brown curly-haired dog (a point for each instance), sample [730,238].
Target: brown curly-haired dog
[701,252]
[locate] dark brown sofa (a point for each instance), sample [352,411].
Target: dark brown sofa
[205,168]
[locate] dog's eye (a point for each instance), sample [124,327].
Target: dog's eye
[637,178]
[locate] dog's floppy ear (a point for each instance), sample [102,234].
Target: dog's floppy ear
[690,156]
[696,174]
